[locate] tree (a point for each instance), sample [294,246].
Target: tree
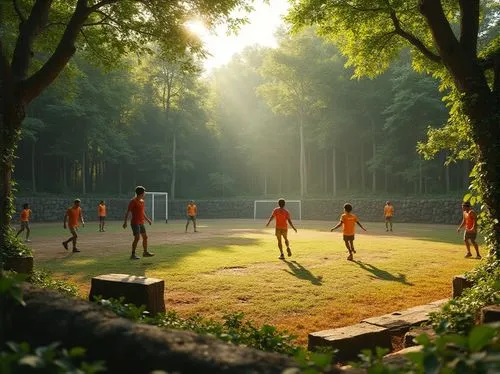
[55,30]
[445,38]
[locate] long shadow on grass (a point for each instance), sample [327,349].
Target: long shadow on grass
[82,268]
[382,274]
[299,271]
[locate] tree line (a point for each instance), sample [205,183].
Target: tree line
[288,120]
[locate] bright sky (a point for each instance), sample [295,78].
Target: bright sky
[263,22]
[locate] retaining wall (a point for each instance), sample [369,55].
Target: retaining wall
[49,209]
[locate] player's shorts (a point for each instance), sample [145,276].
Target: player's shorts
[388,218]
[102,218]
[73,230]
[191,218]
[471,235]
[138,229]
[281,232]
[25,225]
[348,238]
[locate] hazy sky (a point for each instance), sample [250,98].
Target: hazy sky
[263,22]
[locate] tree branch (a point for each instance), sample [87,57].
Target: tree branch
[5,70]
[34,85]
[417,43]
[18,11]
[28,31]
[101,4]
[469,22]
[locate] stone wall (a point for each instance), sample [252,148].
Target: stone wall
[49,209]
[127,347]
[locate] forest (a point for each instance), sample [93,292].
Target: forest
[289,121]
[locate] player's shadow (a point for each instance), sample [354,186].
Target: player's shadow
[297,270]
[382,274]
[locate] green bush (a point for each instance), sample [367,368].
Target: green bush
[459,315]
[43,279]
[51,359]
[233,329]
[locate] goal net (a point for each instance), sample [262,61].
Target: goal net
[156,205]
[262,209]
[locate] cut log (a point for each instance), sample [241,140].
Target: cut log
[134,289]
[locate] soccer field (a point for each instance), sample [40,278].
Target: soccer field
[233,265]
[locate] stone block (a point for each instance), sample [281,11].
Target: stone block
[398,360]
[351,340]
[459,284]
[404,319]
[414,332]
[490,314]
[134,289]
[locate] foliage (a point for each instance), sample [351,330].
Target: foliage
[20,358]
[477,352]
[43,279]
[459,315]
[233,329]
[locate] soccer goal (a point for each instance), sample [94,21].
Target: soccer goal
[262,209]
[157,205]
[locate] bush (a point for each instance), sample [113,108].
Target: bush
[459,315]
[43,279]
[51,359]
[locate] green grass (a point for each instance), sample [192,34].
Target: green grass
[232,265]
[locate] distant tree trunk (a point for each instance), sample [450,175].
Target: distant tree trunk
[84,172]
[466,173]
[334,171]
[325,172]
[374,169]
[33,172]
[362,166]
[447,178]
[386,179]
[281,182]
[303,186]
[347,171]
[174,165]
[265,183]
[65,174]
[120,178]
[420,178]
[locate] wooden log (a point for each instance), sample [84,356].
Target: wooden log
[22,265]
[459,284]
[136,290]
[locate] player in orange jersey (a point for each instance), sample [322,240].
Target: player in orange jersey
[388,214]
[191,212]
[101,211]
[348,220]
[25,217]
[73,214]
[469,220]
[136,209]
[282,219]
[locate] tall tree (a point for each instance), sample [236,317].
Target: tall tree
[108,27]
[445,40]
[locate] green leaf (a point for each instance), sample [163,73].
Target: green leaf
[32,361]
[467,197]
[480,337]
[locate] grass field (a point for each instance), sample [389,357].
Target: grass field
[233,265]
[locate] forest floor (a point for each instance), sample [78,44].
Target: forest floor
[233,266]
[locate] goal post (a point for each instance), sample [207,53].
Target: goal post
[262,209]
[157,205]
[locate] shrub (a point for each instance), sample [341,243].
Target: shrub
[43,279]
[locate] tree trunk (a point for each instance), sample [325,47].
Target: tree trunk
[362,166]
[334,171]
[265,183]
[33,173]
[303,188]
[11,118]
[420,178]
[347,172]
[374,171]
[174,165]
[325,172]
[84,172]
